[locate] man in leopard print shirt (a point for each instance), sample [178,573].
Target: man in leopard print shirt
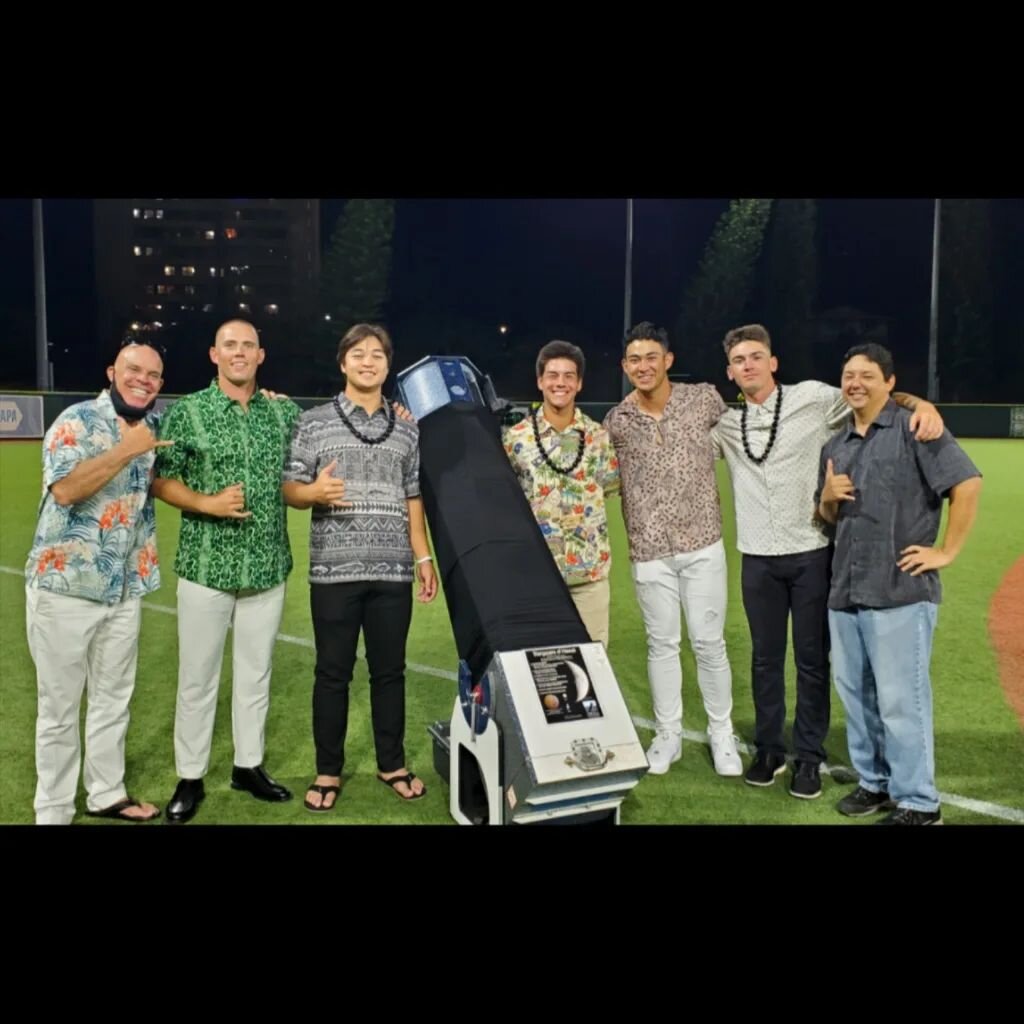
[661,434]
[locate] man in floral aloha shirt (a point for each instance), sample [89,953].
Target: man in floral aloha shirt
[92,561]
[567,466]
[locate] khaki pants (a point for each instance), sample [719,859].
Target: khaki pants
[592,601]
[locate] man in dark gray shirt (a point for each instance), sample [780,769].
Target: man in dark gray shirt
[884,490]
[356,464]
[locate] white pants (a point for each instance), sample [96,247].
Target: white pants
[77,644]
[204,615]
[697,582]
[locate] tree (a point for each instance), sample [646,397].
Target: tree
[357,264]
[719,293]
[791,283]
[354,280]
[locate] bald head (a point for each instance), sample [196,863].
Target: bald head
[135,380]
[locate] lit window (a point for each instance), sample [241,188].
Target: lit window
[231,232]
[159,214]
[149,250]
[272,309]
[213,271]
[147,214]
[209,235]
[168,271]
[188,271]
[136,212]
[137,249]
[158,306]
[243,307]
[208,308]
[136,325]
[243,289]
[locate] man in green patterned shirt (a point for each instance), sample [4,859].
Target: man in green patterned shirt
[566,466]
[224,473]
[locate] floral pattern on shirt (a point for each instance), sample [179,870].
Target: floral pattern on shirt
[103,548]
[570,509]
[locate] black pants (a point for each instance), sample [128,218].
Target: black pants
[773,588]
[383,612]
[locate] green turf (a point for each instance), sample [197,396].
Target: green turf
[979,743]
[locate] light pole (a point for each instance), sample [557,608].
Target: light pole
[933,326]
[43,375]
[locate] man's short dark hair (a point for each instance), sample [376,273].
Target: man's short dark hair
[876,354]
[240,320]
[748,332]
[360,332]
[561,350]
[646,331]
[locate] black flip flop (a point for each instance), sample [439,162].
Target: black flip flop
[117,811]
[407,779]
[323,791]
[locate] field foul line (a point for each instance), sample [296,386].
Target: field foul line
[965,803]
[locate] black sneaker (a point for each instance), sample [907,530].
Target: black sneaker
[862,802]
[806,782]
[908,816]
[764,768]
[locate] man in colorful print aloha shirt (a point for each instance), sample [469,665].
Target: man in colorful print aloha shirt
[92,560]
[224,473]
[567,467]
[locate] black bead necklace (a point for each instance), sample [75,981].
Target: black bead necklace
[758,459]
[358,433]
[564,470]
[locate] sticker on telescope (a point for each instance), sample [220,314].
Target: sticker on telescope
[564,688]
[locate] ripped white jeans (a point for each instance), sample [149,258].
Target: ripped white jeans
[696,581]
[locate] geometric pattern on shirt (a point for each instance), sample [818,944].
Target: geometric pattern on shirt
[370,540]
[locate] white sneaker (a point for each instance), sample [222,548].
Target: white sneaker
[724,754]
[666,749]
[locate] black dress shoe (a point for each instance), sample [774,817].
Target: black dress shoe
[185,802]
[259,783]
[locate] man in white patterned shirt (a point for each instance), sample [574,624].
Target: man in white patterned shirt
[772,448]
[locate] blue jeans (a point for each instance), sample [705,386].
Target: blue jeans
[880,659]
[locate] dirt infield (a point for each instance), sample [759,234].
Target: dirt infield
[1006,627]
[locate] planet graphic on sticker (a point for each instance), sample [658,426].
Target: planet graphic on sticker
[579,678]
[551,702]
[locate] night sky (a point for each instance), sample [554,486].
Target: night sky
[554,265]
